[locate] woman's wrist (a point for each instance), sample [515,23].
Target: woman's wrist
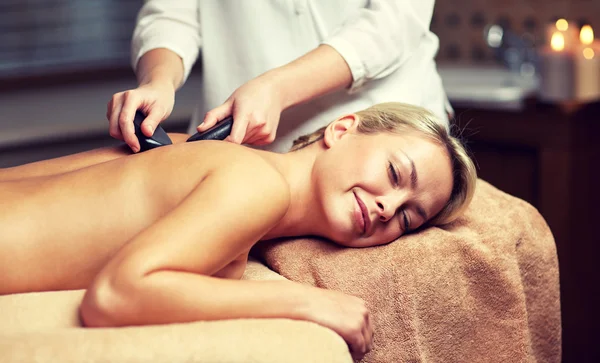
[303,301]
[295,301]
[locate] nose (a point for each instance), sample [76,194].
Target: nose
[384,211]
[387,206]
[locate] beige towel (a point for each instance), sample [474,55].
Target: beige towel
[43,327]
[484,289]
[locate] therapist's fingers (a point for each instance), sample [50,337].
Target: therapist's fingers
[238,129]
[269,131]
[252,135]
[130,106]
[262,135]
[152,120]
[113,109]
[215,115]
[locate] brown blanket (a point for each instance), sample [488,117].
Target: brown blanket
[483,289]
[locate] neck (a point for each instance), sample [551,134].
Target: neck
[304,213]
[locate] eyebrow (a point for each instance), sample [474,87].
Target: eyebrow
[414,179]
[421,212]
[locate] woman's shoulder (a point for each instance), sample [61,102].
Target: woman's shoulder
[225,154]
[244,168]
[249,175]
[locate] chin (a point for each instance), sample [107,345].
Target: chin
[348,237]
[348,243]
[341,232]
[340,226]
[341,238]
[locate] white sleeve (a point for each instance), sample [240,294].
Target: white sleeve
[377,39]
[174,25]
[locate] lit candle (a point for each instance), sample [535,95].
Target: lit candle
[557,42]
[556,70]
[587,66]
[568,31]
[586,37]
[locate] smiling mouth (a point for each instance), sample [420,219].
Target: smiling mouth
[363,214]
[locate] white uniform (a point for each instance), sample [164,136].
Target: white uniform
[386,43]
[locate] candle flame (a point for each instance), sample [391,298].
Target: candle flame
[562,25]
[586,35]
[557,42]
[588,53]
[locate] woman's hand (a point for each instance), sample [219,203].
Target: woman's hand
[346,315]
[256,107]
[155,100]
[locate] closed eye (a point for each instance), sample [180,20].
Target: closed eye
[395,179]
[406,223]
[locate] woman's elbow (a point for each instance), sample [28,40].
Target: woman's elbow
[104,305]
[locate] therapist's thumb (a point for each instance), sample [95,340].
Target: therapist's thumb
[215,115]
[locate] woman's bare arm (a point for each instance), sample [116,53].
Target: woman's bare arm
[164,274]
[73,162]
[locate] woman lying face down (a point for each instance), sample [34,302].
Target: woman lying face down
[163,236]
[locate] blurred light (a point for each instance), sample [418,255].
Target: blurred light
[586,35]
[494,36]
[562,25]
[557,42]
[588,53]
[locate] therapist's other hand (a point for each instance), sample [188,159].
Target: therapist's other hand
[256,108]
[155,100]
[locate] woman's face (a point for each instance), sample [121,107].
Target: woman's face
[375,188]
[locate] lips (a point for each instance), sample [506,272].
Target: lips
[365,214]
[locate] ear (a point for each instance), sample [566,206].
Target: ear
[339,128]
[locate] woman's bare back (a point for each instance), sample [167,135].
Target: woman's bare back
[58,231]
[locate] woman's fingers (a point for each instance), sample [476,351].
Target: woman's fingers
[360,333]
[368,334]
[347,315]
[358,347]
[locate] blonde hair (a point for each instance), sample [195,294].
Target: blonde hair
[397,117]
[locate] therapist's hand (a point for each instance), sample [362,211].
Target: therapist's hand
[256,107]
[155,100]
